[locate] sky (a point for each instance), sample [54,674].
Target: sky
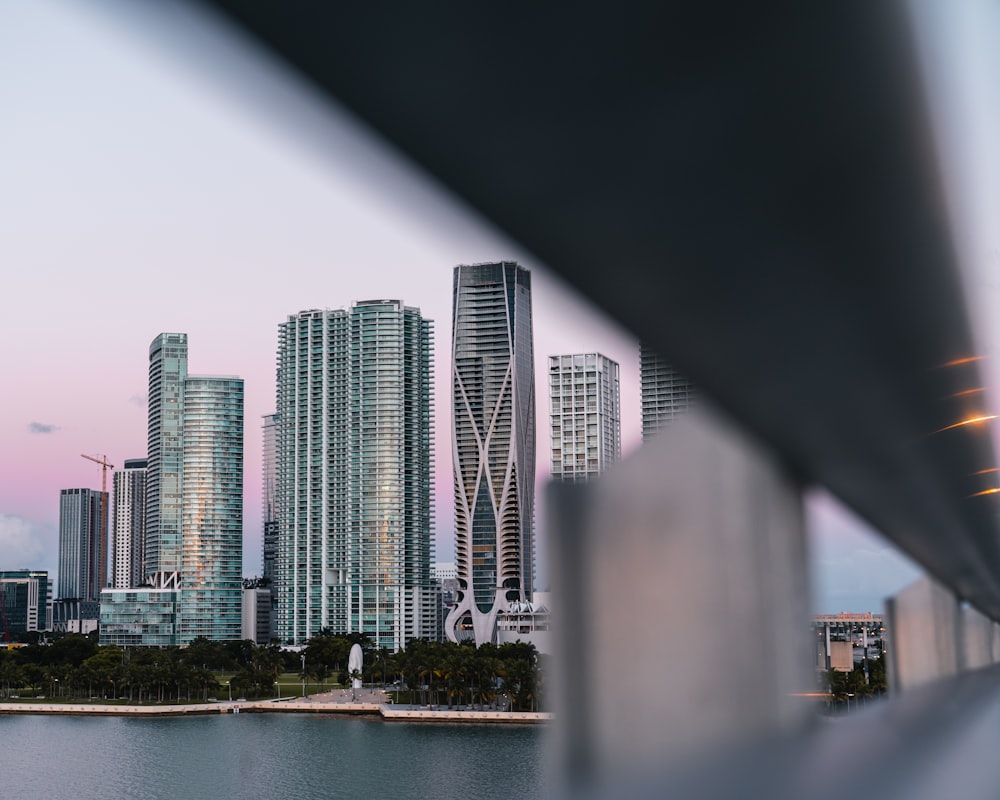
[150,186]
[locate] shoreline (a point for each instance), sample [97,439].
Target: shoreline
[387,713]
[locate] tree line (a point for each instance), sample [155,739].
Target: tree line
[429,673]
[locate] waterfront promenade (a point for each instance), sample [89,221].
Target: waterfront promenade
[335,702]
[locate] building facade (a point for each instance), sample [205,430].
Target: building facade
[212,518]
[128,544]
[269,516]
[83,547]
[168,359]
[194,506]
[493,405]
[584,397]
[142,617]
[665,393]
[25,596]
[256,618]
[353,461]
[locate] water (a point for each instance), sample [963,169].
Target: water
[251,756]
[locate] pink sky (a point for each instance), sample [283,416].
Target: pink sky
[143,191]
[139,199]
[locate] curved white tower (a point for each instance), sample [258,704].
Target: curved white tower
[493,405]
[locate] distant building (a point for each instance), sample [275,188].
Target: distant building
[353,445]
[269,516]
[25,596]
[194,507]
[212,487]
[256,613]
[493,413]
[843,639]
[584,392]
[83,548]
[665,393]
[445,576]
[128,544]
[524,621]
[143,617]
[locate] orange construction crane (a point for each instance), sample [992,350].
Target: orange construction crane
[103,461]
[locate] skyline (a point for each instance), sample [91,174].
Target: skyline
[175,205]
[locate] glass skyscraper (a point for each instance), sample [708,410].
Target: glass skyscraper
[82,543]
[168,355]
[194,506]
[83,548]
[212,516]
[493,403]
[353,442]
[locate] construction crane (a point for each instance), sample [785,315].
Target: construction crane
[105,466]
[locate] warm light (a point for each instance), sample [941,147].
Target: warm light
[969,421]
[985,491]
[959,361]
[968,392]
[987,471]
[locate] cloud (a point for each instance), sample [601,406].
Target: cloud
[41,427]
[21,544]
[140,400]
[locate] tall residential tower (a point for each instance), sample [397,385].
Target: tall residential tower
[584,395]
[353,437]
[194,510]
[83,545]
[128,546]
[493,405]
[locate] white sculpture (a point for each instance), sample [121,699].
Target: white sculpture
[355,663]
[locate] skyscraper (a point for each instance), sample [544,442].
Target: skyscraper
[128,546]
[212,515]
[584,409]
[194,509]
[353,454]
[82,570]
[665,393]
[168,355]
[269,518]
[493,403]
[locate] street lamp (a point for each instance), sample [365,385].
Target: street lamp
[230,687]
[303,657]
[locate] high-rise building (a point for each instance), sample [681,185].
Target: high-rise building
[212,518]
[83,543]
[493,404]
[194,508]
[128,545]
[26,597]
[168,356]
[665,393]
[584,395]
[269,516]
[353,453]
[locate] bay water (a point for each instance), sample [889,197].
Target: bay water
[250,756]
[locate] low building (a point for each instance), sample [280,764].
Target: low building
[256,612]
[143,617]
[526,622]
[25,598]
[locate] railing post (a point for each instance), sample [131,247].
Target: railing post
[682,610]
